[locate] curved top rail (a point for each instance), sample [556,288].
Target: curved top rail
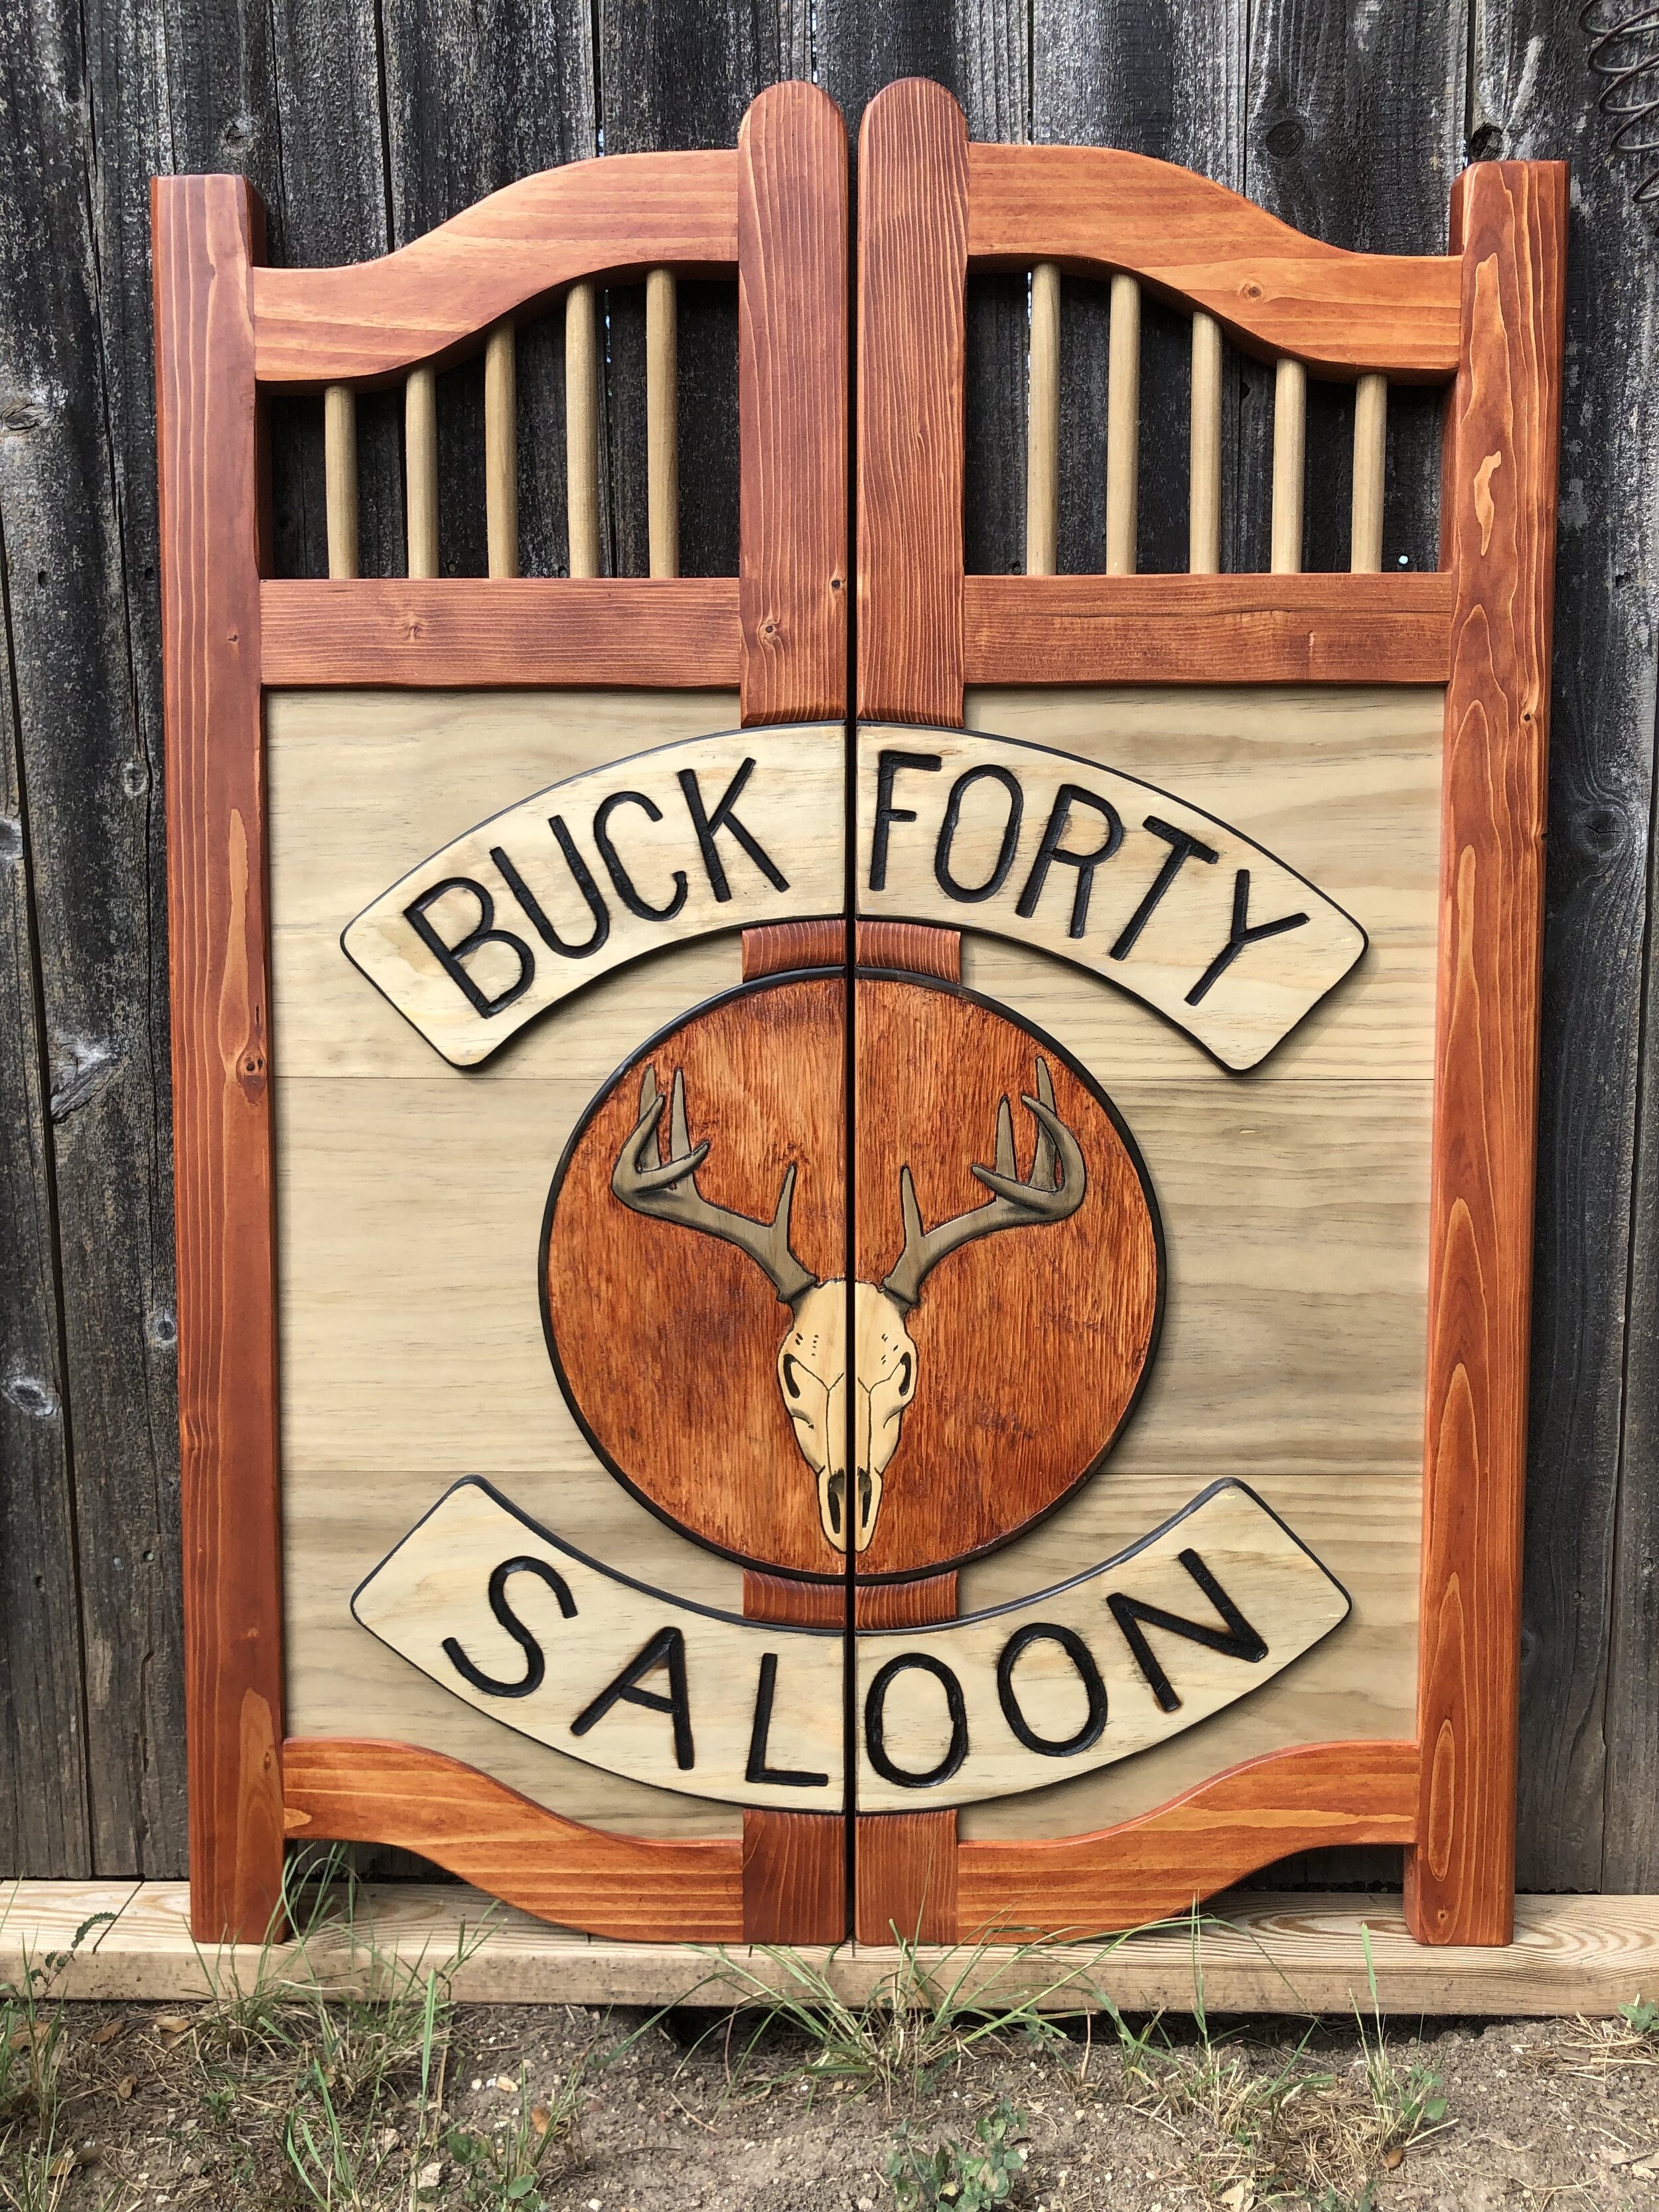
[1274,289]
[431,300]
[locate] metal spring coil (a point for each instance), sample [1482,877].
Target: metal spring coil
[1624,48]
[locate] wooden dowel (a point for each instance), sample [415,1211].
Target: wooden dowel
[1204,504]
[581,429]
[662,425]
[340,478]
[1290,458]
[1043,426]
[1371,441]
[1122,427]
[501,450]
[421,470]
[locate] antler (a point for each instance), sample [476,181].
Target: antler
[1014,1205]
[668,1192]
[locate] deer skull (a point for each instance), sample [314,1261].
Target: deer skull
[843,1434]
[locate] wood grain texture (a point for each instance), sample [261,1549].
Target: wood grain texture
[44,1817]
[1274,1952]
[794,1864]
[501,450]
[774,951]
[1206,630]
[913,228]
[793,404]
[642,1889]
[208,231]
[473,632]
[1272,289]
[1166,1862]
[668,1340]
[662,425]
[1504,428]
[905,1863]
[1004,1310]
[340,472]
[434,300]
[1590,1728]
[86,846]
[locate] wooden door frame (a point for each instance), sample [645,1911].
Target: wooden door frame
[228,330]
[1485,319]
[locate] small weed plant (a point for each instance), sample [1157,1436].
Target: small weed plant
[969,2178]
[923,2020]
[510,2167]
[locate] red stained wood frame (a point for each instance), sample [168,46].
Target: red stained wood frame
[772,212]
[1509,223]
[1491,312]
[646,1889]
[208,231]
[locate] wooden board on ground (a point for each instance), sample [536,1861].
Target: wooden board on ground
[1261,1953]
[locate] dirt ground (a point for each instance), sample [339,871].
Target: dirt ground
[415,2104]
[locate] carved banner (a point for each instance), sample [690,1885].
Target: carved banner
[516,1622]
[1123,879]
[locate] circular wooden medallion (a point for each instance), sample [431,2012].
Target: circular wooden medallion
[1001,1328]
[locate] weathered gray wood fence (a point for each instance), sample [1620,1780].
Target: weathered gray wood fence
[364,123]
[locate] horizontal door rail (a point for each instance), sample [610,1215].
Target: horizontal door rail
[1317,628]
[435,299]
[1273,290]
[472,631]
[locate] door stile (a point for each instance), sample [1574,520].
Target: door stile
[794,350]
[912,386]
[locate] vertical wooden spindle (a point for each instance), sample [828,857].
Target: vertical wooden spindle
[1290,459]
[581,429]
[1043,426]
[662,426]
[1203,501]
[1370,440]
[501,450]
[340,478]
[1122,427]
[421,470]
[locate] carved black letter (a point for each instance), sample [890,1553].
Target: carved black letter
[451,957]
[534,1671]
[708,827]
[1051,850]
[969,894]
[618,874]
[1241,934]
[887,767]
[1182,849]
[875,1706]
[581,875]
[784,1777]
[1082,1658]
[1238,1641]
[666,1648]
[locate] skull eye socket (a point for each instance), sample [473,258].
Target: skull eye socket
[789,1372]
[904,1372]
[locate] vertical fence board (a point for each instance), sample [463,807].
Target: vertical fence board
[44,1826]
[81,638]
[1590,1665]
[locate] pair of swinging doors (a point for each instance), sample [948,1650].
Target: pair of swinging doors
[851,1268]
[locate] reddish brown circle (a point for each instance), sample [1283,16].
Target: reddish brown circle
[1031,1343]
